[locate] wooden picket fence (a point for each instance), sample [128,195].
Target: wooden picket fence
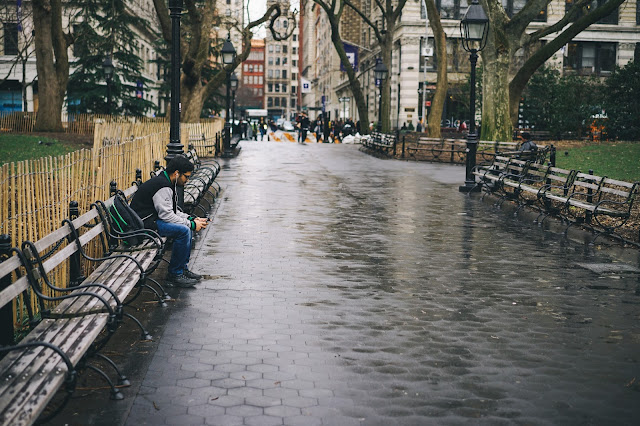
[72,123]
[35,194]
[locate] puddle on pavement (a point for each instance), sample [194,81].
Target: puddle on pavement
[215,277]
[608,268]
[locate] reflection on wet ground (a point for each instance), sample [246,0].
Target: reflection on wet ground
[369,291]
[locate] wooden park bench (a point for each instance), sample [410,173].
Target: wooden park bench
[76,321]
[599,203]
[382,143]
[437,149]
[594,201]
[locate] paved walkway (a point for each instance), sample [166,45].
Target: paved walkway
[342,289]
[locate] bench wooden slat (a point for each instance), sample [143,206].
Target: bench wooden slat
[66,252]
[8,266]
[112,274]
[11,292]
[28,385]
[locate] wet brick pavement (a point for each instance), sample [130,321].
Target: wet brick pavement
[343,289]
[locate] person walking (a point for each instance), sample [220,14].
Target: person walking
[263,128]
[304,127]
[156,202]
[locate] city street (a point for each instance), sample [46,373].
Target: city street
[344,289]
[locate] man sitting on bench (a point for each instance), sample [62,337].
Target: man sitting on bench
[156,202]
[527,143]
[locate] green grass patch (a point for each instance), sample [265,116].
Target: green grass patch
[618,161]
[14,147]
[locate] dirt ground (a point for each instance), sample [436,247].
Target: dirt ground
[79,140]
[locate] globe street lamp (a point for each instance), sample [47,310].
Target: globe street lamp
[228,58]
[107,68]
[380,73]
[174,147]
[234,85]
[474,29]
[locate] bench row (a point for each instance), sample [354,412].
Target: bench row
[454,150]
[598,202]
[70,316]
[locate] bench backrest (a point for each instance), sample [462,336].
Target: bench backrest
[603,188]
[10,270]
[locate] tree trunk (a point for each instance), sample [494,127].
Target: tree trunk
[437,105]
[52,64]
[496,117]
[386,53]
[192,101]
[354,83]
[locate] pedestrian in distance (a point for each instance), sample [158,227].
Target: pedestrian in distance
[304,127]
[156,202]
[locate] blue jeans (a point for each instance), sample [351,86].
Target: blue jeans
[181,250]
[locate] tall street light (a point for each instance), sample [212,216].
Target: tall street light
[228,57]
[174,147]
[474,29]
[107,68]
[234,85]
[380,73]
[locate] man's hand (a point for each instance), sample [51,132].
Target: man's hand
[201,223]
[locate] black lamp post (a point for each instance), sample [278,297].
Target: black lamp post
[380,72]
[228,57]
[174,147]
[474,29]
[234,85]
[107,68]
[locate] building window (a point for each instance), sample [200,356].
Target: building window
[10,38]
[294,76]
[271,48]
[293,102]
[611,19]
[277,87]
[294,63]
[278,60]
[284,73]
[277,73]
[293,90]
[284,49]
[276,101]
[590,58]
[450,9]
[284,88]
[259,79]
[270,60]
[277,48]
[294,50]
[269,102]
[284,61]
[636,51]
[270,87]
[295,37]
[270,73]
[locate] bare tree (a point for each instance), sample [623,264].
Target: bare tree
[334,10]
[502,86]
[439,97]
[195,46]
[390,12]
